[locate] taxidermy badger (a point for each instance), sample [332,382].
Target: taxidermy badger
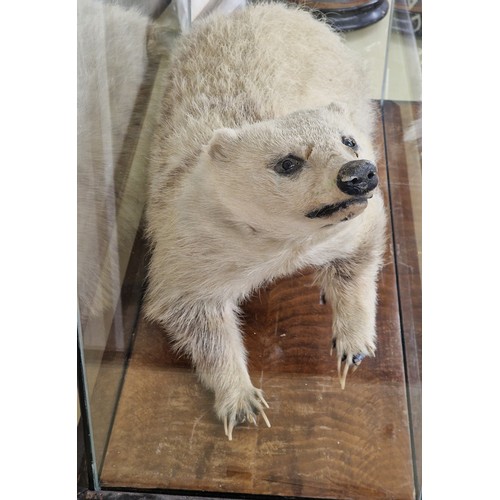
[262,165]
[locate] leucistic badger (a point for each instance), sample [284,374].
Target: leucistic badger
[262,165]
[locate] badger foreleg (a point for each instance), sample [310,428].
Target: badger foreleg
[350,286]
[210,336]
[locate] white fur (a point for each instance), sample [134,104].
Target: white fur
[245,90]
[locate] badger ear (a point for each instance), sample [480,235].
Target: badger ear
[220,143]
[337,107]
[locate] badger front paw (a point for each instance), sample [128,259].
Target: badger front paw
[351,350]
[236,406]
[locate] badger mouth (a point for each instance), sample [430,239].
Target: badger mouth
[327,210]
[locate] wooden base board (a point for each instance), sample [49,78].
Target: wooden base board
[323,443]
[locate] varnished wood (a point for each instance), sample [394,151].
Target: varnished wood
[406,187]
[405,5]
[113,360]
[324,442]
[347,15]
[339,5]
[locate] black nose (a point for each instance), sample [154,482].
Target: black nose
[357,177]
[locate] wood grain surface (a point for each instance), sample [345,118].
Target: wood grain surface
[324,442]
[405,179]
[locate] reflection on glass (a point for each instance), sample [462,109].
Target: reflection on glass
[402,110]
[156,428]
[114,82]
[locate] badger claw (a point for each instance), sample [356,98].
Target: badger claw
[351,360]
[342,373]
[246,411]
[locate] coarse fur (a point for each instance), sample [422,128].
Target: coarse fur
[244,91]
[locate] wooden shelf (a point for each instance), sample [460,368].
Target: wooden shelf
[323,443]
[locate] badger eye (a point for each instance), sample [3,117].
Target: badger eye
[288,165]
[349,142]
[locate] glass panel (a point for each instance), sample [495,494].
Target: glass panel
[155,427]
[402,109]
[371,43]
[116,69]
[403,78]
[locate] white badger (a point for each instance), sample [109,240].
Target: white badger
[262,165]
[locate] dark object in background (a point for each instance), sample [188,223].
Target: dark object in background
[408,17]
[349,15]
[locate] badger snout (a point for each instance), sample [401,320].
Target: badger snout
[357,177]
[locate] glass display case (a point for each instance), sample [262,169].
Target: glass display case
[145,424]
